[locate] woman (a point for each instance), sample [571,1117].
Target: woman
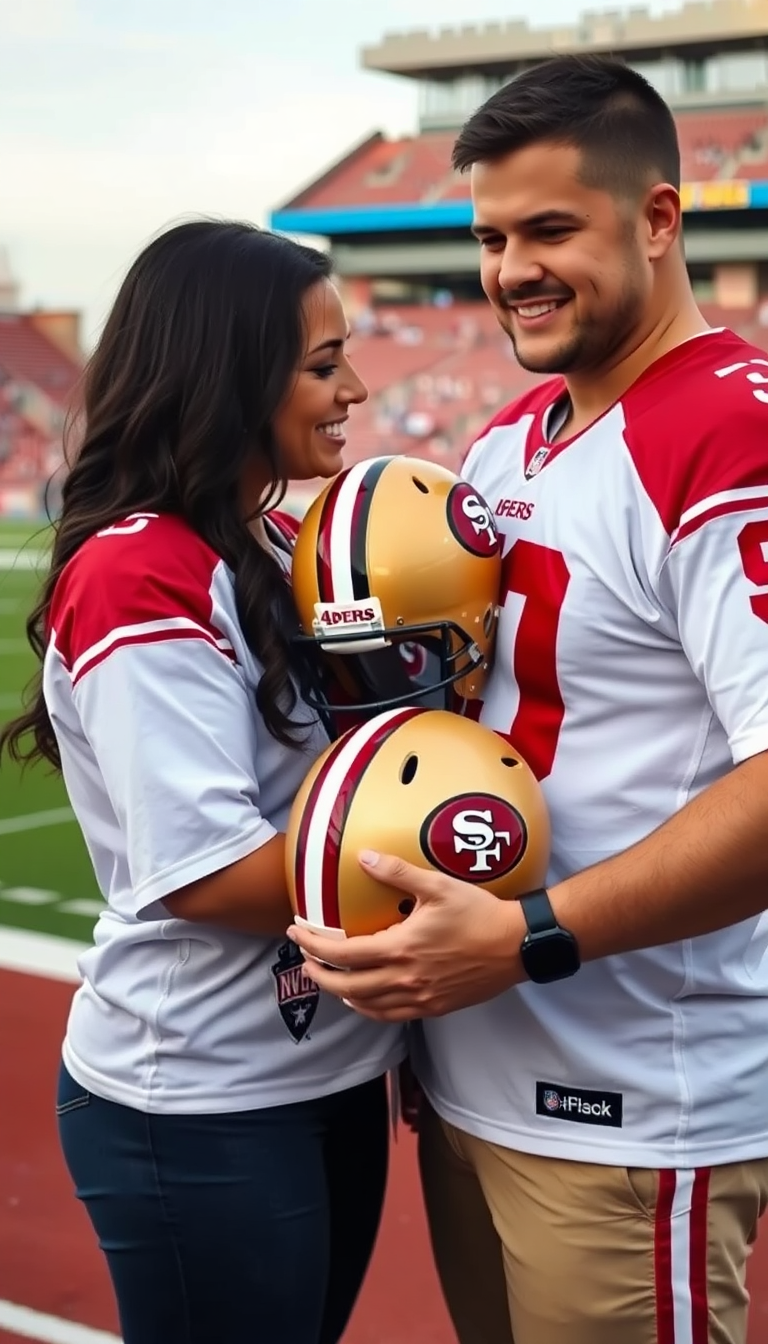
[224,1124]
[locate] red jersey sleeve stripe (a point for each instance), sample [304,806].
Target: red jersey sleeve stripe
[749,498]
[148,632]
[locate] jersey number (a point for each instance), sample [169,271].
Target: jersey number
[135,522]
[753,545]
[540,575]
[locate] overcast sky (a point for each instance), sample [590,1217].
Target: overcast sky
[120,116]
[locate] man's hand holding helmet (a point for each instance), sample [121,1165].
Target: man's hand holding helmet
[459,946]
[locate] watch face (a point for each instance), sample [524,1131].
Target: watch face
[550,956]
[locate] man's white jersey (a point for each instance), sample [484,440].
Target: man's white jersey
[172,775]
[631,670]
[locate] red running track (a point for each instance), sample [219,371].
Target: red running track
[48,1259]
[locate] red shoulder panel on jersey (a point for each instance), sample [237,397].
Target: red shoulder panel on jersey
[143,580]
[697,431]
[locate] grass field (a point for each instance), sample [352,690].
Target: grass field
[46,880]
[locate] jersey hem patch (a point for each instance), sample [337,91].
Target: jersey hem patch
[585,1145]
[579,1105]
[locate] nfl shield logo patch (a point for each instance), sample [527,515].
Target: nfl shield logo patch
[551,1099]
[536,462]
[297,995]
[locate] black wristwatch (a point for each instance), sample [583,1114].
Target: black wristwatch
[548,951]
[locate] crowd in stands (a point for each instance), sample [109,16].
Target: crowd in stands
[436,375]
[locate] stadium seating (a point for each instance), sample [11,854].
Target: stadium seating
[435,375]
[37,379]
[726,144]
[26,354]
[384,172]
[27,456]
[461,371]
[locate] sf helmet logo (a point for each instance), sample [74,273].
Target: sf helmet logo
[471,521]
[414,657]
[475,836]
[473,833]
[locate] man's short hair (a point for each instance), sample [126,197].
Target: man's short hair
[625,131]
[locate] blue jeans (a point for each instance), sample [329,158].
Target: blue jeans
[252,1227]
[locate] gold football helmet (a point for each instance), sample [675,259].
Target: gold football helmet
[432,787]
[397,553]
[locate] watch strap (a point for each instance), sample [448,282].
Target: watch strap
[538,912]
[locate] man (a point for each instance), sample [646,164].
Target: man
[595,1057]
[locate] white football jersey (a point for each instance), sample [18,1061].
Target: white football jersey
[631,671]
[172,775]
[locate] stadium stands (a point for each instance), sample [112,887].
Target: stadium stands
[729,143]
[435,376]
[462,371]
[26,353]
[37,378]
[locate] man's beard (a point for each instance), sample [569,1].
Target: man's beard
[591,343]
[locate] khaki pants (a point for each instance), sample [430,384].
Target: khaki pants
[534,1250]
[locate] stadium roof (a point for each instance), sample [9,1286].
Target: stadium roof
[699,24]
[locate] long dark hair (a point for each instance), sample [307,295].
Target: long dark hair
[197,354]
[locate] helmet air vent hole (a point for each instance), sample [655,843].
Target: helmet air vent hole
[488,620]
[409,768]
[406,905]
[509,760]
[420,485]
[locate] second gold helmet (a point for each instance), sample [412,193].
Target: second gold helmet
[398,553]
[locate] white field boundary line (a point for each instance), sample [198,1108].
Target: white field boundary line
[33,821]
[37,1325]
[21,559]
[40,954]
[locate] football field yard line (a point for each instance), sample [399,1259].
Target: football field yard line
[28,895]
[40,954]
[33,821]
[21,559]
[38,1325]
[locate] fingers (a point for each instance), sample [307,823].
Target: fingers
[370,984]
[421,882]
[382,1013]
[346,953]
[378,993]
[378,949]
